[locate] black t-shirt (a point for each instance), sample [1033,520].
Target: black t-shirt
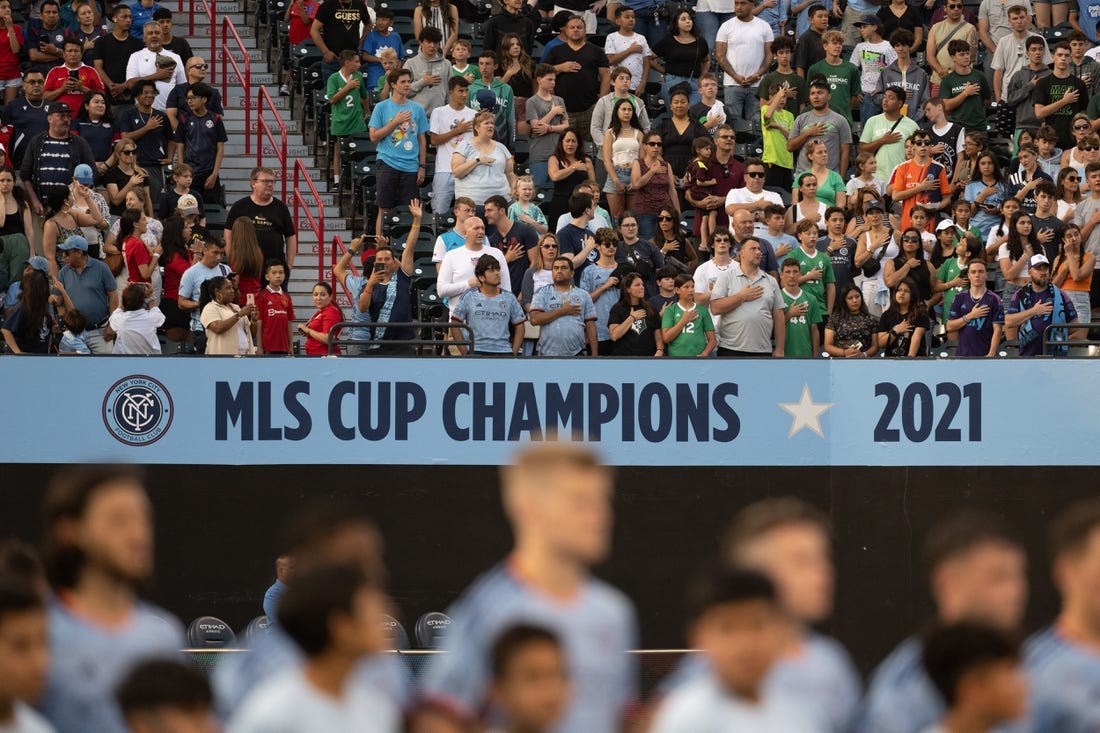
[273,225]
[341,24]
[152,147]
[579,89]
[1050,89]
[527,238]
[640,339]
[682,59]
[120,178]
[115,54]
[809,51]
[899,345]
[181,48]
[1058,226]
[169,200]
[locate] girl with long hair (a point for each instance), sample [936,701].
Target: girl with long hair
[851,330]
[1014,255]
[673,242]
[621,145]
[905,322]
[986,190]
[685,53]
[15,215]
[27,328]
[62,221]
[439,14]
[633,321]
[175,258]
[94,124]
[230,329]
[911,264]
[245,258]
[568,167]
[1068,190]
[1073,272]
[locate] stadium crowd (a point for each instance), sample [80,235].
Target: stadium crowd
[932,168]
[537,643]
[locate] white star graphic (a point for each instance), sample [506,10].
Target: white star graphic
[806,413]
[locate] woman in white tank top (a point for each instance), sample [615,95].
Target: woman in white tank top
[622,144]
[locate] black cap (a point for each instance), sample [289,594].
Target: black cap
[53,107]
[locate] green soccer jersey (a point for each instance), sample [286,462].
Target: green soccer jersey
[693,339]
[816,261]
[844,84]
[800,343]
[948,271]
[347,116]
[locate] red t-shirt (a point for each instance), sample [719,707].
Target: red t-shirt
[9,62]
[137,253]
[173,271]
[60,74]
[247,286]
[275,311]
[299,27]
[322,321]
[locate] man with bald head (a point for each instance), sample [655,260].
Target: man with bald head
[456,273]
[195,71]
[742,225]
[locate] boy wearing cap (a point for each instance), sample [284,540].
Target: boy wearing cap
[83,195]
[1037,307]
[504,126]
[870,57]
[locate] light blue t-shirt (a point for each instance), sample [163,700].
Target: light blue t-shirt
[400,149]
[490,318]
[592,278]
[191,286]
[88,662]
[900,697]
[596,630]
[271,601]
[355,285]
[563,336]
[1065,685]
[703,705]
[374,43]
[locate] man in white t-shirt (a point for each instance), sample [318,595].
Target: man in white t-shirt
[707,273]
[753,197]
[456,274]
[629,49]
[448,127]
[743,48]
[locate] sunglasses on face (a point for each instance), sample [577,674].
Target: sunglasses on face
[1088,148]
[754,174]
[1073,179]
[922,143]
[665,218]
[910,239]
[654,144]
[1080,128]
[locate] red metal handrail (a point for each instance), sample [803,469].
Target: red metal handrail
[210,10]
[245,79]
[262,129]
[316,224]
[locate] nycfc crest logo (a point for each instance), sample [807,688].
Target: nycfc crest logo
[137,410]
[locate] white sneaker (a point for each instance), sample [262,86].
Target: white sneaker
[336,180]
[284,90]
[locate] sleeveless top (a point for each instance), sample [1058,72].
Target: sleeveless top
[624,151]
[13,224]
[1077,164]
[653,196]
[949,155]
[799,216]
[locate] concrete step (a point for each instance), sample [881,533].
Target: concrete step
[202,31]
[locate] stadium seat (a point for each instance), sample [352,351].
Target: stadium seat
[396,637]
[784,194]
[208,632]
[256,628]
[216,216]
[431,630]
[424,273]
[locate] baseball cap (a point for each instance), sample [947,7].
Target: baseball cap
[869,20]
[1038,261]
[83,174]
[188,204]
[54,107]
[75,241]
[486,99]
[40,263]
[872,204]
[945,224]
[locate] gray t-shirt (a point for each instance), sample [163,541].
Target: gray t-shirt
[542,146]
[748,327]
[1082,214]
[839,132]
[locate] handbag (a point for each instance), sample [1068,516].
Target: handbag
[115,261]
[874,264]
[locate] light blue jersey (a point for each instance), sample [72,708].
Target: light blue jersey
[822,677]
[355,285]
[490,319]
[273,653]
[597,628]
[1065,685]
[563,336]
[88,662]
[592,278]
[401,148]
[900,697]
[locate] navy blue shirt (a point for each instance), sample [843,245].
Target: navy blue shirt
[400,308]
[570,242]
[200,137]
[177,99]
[35,33]
[28,120]
[100,136]
[152,147]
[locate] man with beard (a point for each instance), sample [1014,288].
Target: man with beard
[1033,309]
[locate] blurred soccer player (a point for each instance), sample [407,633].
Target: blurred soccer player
[284,568]
[738,624]
[99,549]
[977,571]
[161,696]
[24,656]
[558,498]
[319,535]
[1063,661]
[334,614]
[789,541]
[976,669]
[530,680]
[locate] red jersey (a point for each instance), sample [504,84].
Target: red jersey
[173,271]
[136,253]
[299,25]
[88,77]
[9,61]
[322,321]
[275,311]
[246,286]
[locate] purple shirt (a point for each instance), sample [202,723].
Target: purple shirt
[976,336]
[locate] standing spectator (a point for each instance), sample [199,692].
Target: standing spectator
[299,17]
[621,146]
[149,133]
[95,125]
[456,274]
[45,38]
[515,17]
[953,26]
[88,27]
[816,277]
[776,123]
[52,156]
[245,259]
[175,259]
[633,323]
[492,94]
[831,190]
[338,26]
[230,328]
[568,167]
[123,177]
[809,49]
[482,167]
[785,76]
[349,99]
[99,551]
[904,73]
[1036,307]
[69,82]
[948,138]
[399,126]
[628,49]
[601,281]
[11,45]
[842,76]
[177,98]
[673,242]
[654,184]
[904,324]
[275,313]
[381,36]
[565,314]
[840,248]
[201,139]
[965,92]
[1073,270]
[900,14]
[753,197]
[686,326]
[141,262]
[493,314]
[449,127]
[870,56]
[546,115]
[582,74]
[679,131]
[920,180]
[113,51]
[155,63]
[976,315]
[26,114]
[603,113]
[883,134]
[274,225]
[709,111]
[516,240]
[1011,53]
[751,306]
[685,55]
[441,15]
[709,272]
[179,46]
[318,330]
[743,50]
[429,70]
[134,325]
[1059,96]
[208,265]
[523,207]
[821,123]
[1027,178]
[641,255]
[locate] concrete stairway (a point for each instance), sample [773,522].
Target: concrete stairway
[237,165]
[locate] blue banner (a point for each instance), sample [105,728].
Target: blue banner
[711,412]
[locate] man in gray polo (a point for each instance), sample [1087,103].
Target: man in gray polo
[751,307]
[91,288]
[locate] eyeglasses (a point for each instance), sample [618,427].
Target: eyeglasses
[720,239]
[204,67]
[666,218]
[655,144]
[754,174]
[910,239]
[922,143]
